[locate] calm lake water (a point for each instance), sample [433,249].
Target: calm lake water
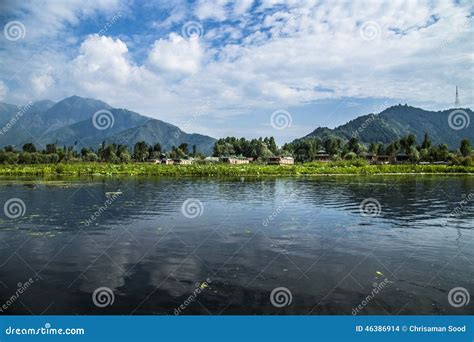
[249,237]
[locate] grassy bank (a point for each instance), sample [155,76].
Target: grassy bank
[225,170]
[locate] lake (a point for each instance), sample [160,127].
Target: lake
[324,245]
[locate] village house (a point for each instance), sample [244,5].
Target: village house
[281,161]
[167,161]
[211,159]
[180,161]
[322,156]
[234,160]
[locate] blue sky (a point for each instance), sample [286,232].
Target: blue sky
[223,67]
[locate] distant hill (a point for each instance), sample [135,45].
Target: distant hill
[70,122]
[168,135]
[398,121]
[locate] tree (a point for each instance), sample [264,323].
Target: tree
[157,148]
[140,151]
[413,154]
[374,148]
[353,145]
[465,148]
[426,142]
[29,147]
[184,147]
[51,148]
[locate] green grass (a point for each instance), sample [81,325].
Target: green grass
[135,169]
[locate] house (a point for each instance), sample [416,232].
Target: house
[371,158]
[322,156]
[402,158]
[211,159]
[383,159]
[179,161]
[167,161]
[234,160]
[281,161]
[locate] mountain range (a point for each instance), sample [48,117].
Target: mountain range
[84,122]
[401,120]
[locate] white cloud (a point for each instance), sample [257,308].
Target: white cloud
[211,9]
[41,83]
[288,56]
[176,54]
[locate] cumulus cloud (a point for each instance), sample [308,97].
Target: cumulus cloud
[274,56]
[176,54]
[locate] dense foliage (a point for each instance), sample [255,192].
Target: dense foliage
[358,167]
[306,150]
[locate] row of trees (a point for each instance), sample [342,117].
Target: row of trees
[260,148]
[111,153]
[308,149]
[304,150]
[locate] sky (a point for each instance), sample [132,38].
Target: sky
[240,68]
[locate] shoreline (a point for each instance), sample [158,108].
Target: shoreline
[225,170]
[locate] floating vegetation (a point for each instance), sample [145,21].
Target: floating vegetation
[212,170]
